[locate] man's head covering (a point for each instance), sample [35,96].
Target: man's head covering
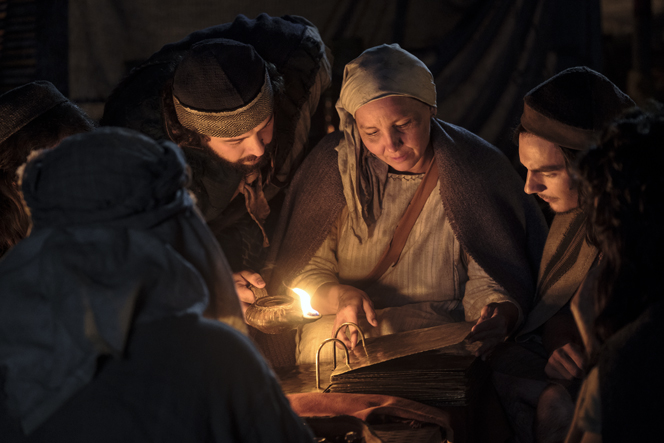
[572,108]
[21,105]
[116,241]
[221,88]
[379,72]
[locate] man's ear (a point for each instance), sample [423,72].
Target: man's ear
[432,109]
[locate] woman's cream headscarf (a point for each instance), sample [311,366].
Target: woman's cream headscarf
[380,72]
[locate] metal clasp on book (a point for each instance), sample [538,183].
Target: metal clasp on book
[334,351]
[350,323]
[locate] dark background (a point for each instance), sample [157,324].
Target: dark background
[484,54]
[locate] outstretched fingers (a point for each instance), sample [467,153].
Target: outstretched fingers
[369,312]
[342,334]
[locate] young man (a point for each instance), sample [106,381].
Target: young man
[562,116]
[238,99]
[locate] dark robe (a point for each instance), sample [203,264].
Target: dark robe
[631,365]
[180,379]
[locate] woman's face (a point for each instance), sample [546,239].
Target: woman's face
[396,129]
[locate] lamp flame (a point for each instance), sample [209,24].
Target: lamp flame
[305,302]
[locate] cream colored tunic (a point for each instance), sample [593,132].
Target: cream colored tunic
[434,282]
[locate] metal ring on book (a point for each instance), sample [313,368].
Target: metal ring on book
[350,323]
[335,357]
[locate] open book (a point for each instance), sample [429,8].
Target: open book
[433,365]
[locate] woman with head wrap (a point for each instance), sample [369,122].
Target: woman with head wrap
[472,251]
[101,335]
[33,116]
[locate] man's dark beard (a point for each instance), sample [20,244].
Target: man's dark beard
[240,165]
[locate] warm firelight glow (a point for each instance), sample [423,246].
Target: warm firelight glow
[305,301]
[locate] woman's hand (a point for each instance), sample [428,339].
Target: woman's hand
[494,325]
[351,305]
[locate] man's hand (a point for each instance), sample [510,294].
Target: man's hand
[566,362]
[243,280]
[494,325]
[353,305]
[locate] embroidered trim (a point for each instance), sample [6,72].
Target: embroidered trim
[405,177]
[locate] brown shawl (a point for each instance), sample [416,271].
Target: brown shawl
[566,260]
[499,226]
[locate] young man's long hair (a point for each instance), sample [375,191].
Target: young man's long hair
[624,196]
[45,131]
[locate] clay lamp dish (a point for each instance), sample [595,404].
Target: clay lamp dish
[278,313]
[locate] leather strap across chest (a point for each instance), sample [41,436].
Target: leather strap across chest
[393,252]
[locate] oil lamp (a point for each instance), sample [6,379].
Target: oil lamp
[280,313]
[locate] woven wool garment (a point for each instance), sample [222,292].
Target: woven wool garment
[506,241]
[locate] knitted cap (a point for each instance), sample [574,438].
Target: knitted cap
[21,105]
[572,108]
[221,88]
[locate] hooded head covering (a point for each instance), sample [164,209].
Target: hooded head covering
[221,88]
[21,105]
[572,108]
[116,241]
[379,72]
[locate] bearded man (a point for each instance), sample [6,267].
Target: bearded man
[238,99]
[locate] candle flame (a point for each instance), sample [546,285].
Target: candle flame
[305,302]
